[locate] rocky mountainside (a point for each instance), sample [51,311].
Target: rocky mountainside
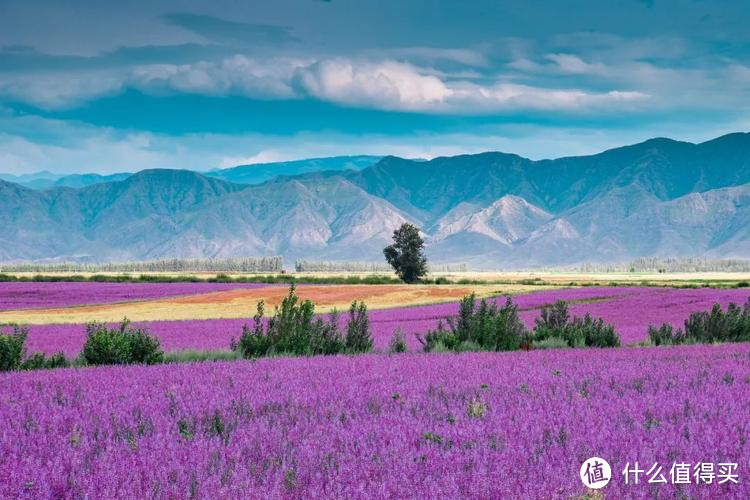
[491,210]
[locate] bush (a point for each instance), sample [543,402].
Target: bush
[665,335]
[193,355]
[594,332]
[484,327]
[716,325]
[398,342]
[358,335]
[12,347]
[554,322]
[439,340]
[13,352]
[553,318]
[121,345]
[551,343]
[38,361]
[294,330]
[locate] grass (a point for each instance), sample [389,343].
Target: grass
[194,355]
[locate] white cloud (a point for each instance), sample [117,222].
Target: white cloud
[375,84]
[54,91]
[397,86]
[238,74]
[570,63]
[385,85]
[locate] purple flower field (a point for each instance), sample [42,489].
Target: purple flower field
[482,425]
[38,295]
[630,309]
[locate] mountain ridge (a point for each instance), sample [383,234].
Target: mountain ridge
[656,198]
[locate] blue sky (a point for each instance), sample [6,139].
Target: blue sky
[91,86]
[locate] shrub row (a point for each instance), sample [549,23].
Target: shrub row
[104,346]
[554,322]
[13,352]
[487,327]
[293,329]
[716,325]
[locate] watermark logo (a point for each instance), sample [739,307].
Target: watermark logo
[595,473]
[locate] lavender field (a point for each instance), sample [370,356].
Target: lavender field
[509,425]
[630,309]
[37,295]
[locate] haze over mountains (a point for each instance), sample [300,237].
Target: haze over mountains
[492,210]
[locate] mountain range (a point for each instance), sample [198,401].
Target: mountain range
[255,173]
[491,210]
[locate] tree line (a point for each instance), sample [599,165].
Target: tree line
[273,264]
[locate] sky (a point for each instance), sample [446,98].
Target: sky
[92,86]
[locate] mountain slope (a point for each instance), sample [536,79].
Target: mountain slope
[492,210]
[262,172]
[664,167]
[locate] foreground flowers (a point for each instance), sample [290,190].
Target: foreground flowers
[482,425]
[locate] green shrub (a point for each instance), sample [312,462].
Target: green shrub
[553,318]
[121,345]
[484,327]
[192,355]
[12,347]
[358,334]
[716,325]
[743,284]
[468,346]
[665,335]
[13,352]
[554,322]
[439,339]
[39,361]
[398,342]
[551,343]
[293,329]
[594,332]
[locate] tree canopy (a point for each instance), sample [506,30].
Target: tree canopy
[406,254]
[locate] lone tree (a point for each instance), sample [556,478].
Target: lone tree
[406,254]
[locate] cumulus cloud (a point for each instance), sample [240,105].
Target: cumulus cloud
[238,74]
[396,86]
[54,91]
[386,85]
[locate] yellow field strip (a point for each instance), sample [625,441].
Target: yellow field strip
[241,303]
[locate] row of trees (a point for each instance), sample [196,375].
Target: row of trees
[672,265]
[230,265]
[334,266]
